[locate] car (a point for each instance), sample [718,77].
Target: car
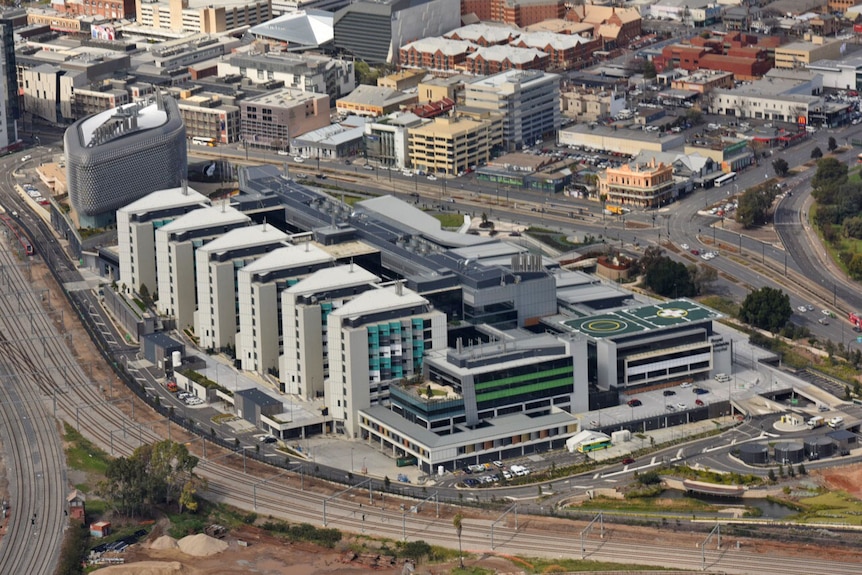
[695,252]
[698,402]
[685,385]
[283,153]
[431,177]
[670,408]
[298,159]
[634,402]
[628,460]
[267,439]
[368,167]
[507,474]
[700,391]
[681,405]
[668,392]
[515,234]
[594,423]
[26,158]
[802,309]
[823,321]
[826,312]
[320,176]
[347,162]
[684,246]
[809,307]
[301,176]
[498,463]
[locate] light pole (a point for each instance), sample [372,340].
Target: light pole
[351,460]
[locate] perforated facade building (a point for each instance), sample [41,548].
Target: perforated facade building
[118,156]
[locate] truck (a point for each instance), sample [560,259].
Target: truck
[836,422]
[815,422]
[855,318]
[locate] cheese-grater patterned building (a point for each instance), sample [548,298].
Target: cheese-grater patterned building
[118,156]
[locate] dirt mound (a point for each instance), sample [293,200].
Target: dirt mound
[164,542]
[148,568]
[201,545]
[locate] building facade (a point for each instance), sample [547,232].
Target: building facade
[305,306]
[121,155]
[217,264]
[529,102]
[379,337]
[136,233]
[259,285]
[9,109]
[176,244]
[201,16]
[644,186]
[108,9]
[274,119]
[451,145]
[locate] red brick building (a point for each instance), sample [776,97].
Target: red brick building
[616,27]
[737,53]
[110,9]
[439,54]
[565,51]
[487,61]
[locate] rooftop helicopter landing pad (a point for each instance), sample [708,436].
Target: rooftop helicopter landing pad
[649,317]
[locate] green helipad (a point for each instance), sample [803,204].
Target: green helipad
[645,318]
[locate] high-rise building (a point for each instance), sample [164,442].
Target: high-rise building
[136,232]
[118,156]
[375,30]
[528,100]
[258,342]
[217,264]
[9,111]
[378,337]
[175,257]
[304,365]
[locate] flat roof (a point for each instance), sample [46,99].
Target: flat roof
[286,97]
[641,319]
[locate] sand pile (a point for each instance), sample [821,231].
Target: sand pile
[201,545]
[147,568]
[164,542]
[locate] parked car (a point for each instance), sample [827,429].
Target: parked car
[634,402]
[681,405]
[668,392]
[698,402]
[628,460]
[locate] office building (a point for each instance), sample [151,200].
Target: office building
[259,284]
[379,337]
[217,264]
[201,16]
[304,365]
[375,31]
[118,156]
[529,102]
[451,145]
[274,119]
[386,139]
[210,115]
[107,9]
[175,257]
[136,233]
[9,112]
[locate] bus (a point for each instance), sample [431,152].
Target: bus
[594,445]
[859,158]
[201,141]
[725,179]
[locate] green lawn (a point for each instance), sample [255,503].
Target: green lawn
[450,220]
[82,455]
[831,507]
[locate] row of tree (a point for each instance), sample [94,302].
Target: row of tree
[837,216]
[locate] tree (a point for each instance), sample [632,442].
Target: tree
[693,116]
[458,524]
[832,145]
[816,153]
[781,167]
[365,74]
[831,174]
[703,277]
[766,308]
[853,227]
[652,255]
[670,279]
[753,206]
[649,70]
[854,268]
[144,292]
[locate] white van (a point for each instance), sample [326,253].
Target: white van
[722,377]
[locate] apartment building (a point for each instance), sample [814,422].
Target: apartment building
[176,244]
[201,16]
[275,118]
[379,337]
[209,115]
[259,284]
[136,233]
[305,306]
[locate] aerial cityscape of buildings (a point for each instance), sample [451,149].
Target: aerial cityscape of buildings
[190,177]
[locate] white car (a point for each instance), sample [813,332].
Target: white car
[283,153]
[685,385]
[298,159]
[368,167]
[432,177]
[680,405]
[683,246]
[802,309]
[825,312]
[25,158]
